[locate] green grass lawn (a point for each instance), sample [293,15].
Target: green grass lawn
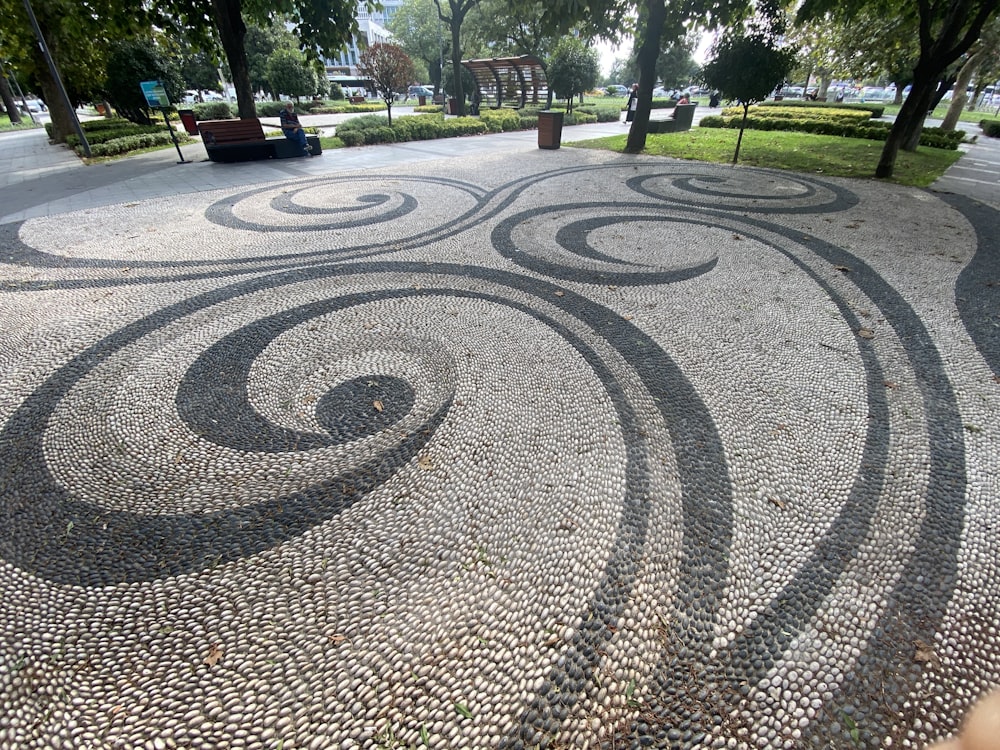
[26,123]
[798,152]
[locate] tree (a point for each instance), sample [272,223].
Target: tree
[978,59]
[132,62]
[390,70]
[747,67]
[493,29]
[7,96]
[418,29]
[573,69]
[289,73]
[260,43]
[657,26]
[674,66]
[78,43]
[199,70]
[457,11]
[321,26]
[946,30]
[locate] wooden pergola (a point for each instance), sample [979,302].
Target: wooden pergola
[514,81]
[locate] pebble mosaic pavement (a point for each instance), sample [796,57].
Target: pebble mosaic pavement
[582,451]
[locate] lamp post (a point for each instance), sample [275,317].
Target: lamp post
[58,81]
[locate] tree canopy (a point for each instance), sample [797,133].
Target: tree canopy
[747,67]
[945,30]
[390,70]
[573,68]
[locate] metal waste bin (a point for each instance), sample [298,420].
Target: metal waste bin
[189,121]
[549,129]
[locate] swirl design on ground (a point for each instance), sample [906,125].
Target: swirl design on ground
[684,460]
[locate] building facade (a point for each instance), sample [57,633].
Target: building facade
[372,29]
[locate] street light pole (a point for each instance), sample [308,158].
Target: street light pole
[58,81]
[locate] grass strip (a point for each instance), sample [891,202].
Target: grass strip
[797,152]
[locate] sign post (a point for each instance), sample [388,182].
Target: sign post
[156,98]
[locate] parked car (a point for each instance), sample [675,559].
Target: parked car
[616,89]
[34,106]
[414,91]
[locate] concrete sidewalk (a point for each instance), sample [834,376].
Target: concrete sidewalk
[37,179]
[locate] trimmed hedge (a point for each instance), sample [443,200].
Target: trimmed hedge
[371,129]
[877,110]
[212,111]
[874,131]
[990,127]
[127,143]
[802,113]
[103,135]
[501,120]
[603,114]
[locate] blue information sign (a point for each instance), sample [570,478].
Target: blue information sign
[156,95]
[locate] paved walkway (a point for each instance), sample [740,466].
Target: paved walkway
[527,448]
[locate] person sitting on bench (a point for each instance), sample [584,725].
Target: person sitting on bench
[292,129]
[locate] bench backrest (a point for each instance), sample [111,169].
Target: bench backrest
[221,132]
[684,115]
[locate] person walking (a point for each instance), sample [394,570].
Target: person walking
[292,128]
[633,103]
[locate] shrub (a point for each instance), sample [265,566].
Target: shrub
[875,131]
[418,127]
[269,109]
[876,110]
[384,134]
[529,122]
[462,126]
[128,143]
[990,127]
[501,120]
[602,113]
[115,123]
[579,118]
[801,113]
[109,134]
[427,108]
[212,111]
[363,122]
[351,137]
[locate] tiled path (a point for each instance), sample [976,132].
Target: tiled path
[561,449]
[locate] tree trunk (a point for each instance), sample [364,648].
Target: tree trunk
[232,31]
[739,138]
[61,119]
[909,120]
[824,85]
[8,100]
[649,50]
[961,86]
[456,58]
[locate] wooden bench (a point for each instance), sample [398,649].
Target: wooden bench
[244,140]
[356,99]
[682,118]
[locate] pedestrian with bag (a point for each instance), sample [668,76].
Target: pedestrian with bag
[633,103]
